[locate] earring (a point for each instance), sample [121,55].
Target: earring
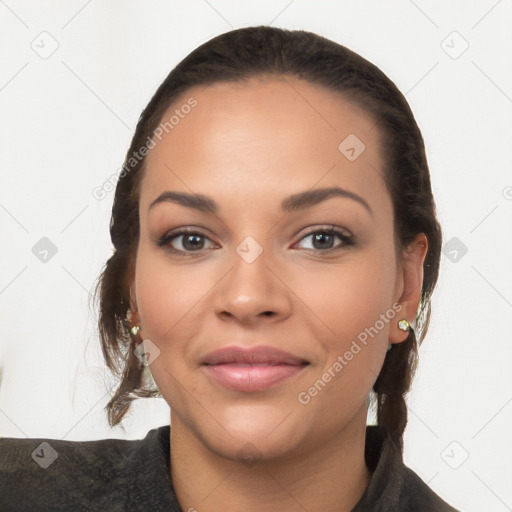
[136,328]
[404,325]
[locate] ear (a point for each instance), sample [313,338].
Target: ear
[409,285]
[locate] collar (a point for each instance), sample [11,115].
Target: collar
[148,464]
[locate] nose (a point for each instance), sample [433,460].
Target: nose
[253,292]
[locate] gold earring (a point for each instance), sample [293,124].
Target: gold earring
[404,325]
[134,330]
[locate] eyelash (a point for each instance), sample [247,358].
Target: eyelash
[347,240]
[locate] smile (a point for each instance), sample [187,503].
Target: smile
[250,370]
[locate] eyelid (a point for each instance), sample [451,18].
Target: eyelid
[326,227]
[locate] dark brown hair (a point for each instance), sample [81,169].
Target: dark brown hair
[256,52]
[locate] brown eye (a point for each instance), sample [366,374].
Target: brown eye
[184,241]
[191,242]
[325,240]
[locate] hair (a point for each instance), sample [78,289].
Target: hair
[257,52]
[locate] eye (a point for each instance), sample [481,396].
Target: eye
[184,241]
[323,240]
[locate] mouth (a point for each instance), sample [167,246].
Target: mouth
[254,369]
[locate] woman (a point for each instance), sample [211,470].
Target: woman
[276,248]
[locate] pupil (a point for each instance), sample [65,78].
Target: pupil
[321,237]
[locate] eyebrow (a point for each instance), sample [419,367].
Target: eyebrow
[294,202]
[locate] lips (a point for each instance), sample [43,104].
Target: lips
[253,369]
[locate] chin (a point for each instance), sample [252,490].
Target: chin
[253,433]
[250,450]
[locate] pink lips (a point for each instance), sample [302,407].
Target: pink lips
[252,369]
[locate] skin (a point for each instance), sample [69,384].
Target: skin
[249,146]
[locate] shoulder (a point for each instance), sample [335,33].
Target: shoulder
[54,474]
[394,486]
[45,457]
[417,495]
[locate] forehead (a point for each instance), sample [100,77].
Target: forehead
[267,138]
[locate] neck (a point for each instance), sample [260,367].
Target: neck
[330,477]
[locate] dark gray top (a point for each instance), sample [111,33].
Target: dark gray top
[134,475]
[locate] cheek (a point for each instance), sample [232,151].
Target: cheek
[167,295]
[352,296]
[353,345]
[354,303]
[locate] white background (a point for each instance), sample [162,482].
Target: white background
[66,123]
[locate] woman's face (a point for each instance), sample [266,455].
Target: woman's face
[265,268]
